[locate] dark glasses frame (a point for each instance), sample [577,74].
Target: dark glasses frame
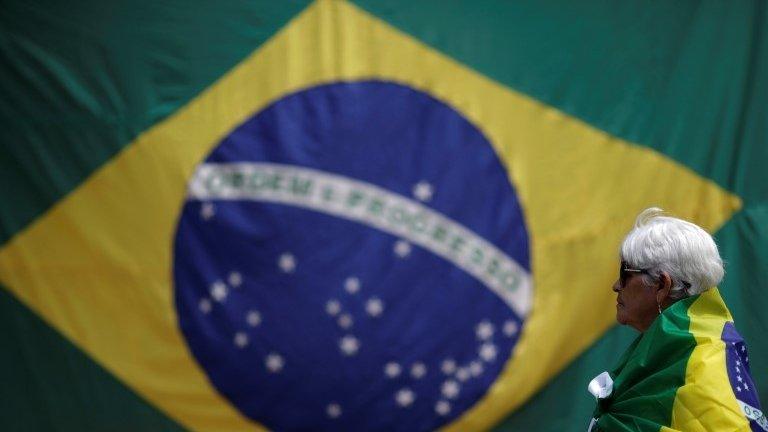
[624,270]
[624,273]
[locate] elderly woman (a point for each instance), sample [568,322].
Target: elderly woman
[688,370]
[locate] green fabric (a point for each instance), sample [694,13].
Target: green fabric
[78,83]
[745,252]
[648,375]
[50,385]
[685,78]
[553,410]
[81,81]
[680,77]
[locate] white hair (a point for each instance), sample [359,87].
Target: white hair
[683,250]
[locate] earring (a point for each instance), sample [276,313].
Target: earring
[659,305]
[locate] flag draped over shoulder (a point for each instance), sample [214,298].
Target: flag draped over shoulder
[356,215]
[689,371]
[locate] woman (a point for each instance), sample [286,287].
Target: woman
[688,370]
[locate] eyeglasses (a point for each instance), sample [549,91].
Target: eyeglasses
[624,272]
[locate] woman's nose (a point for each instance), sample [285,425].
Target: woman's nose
[617,286]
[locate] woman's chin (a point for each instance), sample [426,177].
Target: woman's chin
[620,317]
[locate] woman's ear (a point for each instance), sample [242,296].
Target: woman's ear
[664,288]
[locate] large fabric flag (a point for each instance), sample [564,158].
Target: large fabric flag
[367,216]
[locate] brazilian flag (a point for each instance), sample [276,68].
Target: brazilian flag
[361,215]
[689,371]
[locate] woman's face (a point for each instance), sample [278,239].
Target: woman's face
[636,303]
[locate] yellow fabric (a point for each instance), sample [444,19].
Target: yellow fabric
[706,403]
[101,274]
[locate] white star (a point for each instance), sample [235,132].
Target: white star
[738,388]
[418,370]
[333,410]
[241,339]
[443,408]
[484,330]
[253,318]
[345,321]
[450,389]
[738,363]
[476,368]
[219,291]
[405,397]
[205,305]
[332,307]
[352,285]
[510,328]
[374,306]
[462,374]
[448,366]
[349,345]
[738,377]
[746,387]
[743,348]
[423,191]
[488,352]
[392,370]
[274,362]
[235,279]
[207,211]
[287,263]
[402,248]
